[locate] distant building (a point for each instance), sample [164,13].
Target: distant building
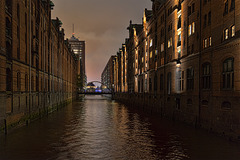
[78,48]
[107,76]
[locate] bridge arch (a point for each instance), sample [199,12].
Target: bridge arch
[110,89]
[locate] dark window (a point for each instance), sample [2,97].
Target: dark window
[209,18]
[226,7]
[150,84]
[232,5]
[189,10]
[155,83]
[180,80]
[226,105]
[37,83]
[8,28]
[18,37]
[161,82]
[18,81]
[8,79]
[9,50]
[189,102]
[26,45]
[169,82]
[32,84]
[179,22]
[205,21]
[193,7]
[228,73]
[8,6]
[138,86]
[206,76]
[190,79]
[204,103]
[26,82]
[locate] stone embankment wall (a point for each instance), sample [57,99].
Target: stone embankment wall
[173,107]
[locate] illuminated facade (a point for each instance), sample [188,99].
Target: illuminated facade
[38,69]
[107,76]
[184,59]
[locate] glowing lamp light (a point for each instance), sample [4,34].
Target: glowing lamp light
[178,63]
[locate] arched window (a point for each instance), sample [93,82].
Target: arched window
[8,79]
[204,103]
[26,82]
[226,105]
[206,76]
[228,73]
[18,81]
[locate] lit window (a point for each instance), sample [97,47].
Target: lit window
[205,43]
[190,30]
[151,54]
[226,34]
[169,43]
[210,41]
[193,27]
[151,43]
[233,31]
[142,59]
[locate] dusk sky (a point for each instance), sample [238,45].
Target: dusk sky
[102,24]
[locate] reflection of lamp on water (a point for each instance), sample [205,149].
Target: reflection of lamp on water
[178,63]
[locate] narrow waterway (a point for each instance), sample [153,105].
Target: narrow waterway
[98,128]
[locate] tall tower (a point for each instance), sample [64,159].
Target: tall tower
[78,48]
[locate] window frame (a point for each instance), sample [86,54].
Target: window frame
[228,74]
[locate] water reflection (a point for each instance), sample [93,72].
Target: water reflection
[98,128]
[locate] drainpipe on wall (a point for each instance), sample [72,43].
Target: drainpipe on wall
[30,54]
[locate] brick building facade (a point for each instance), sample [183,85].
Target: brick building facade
[107,76]
[37,67]
[183,62]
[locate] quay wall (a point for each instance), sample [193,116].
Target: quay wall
[180,108]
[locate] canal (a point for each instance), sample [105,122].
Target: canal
[98,128]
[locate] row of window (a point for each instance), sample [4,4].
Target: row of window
[226,6]
[228,33]
[9,82]
[227,78]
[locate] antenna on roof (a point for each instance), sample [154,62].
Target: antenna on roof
[73,30]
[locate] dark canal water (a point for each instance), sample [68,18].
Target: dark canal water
[98,128]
